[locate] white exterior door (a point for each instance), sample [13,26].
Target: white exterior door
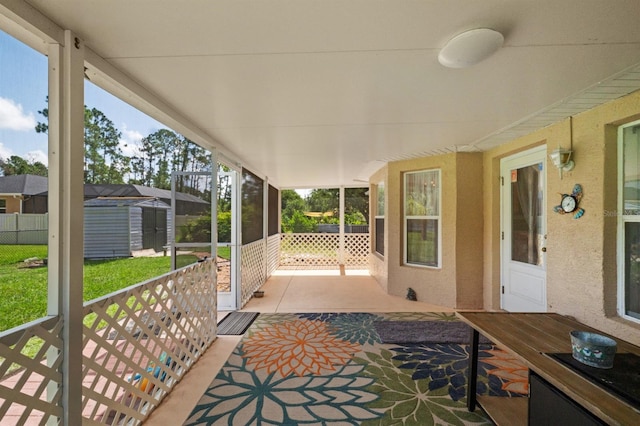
[523,248]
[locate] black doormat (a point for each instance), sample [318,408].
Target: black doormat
[236,322]
[423,332]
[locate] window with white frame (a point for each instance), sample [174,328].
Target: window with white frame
[422,222]
[379,217]
[3,206]
[629,220]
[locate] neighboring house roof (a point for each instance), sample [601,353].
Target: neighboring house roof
[23,184]
[37,185]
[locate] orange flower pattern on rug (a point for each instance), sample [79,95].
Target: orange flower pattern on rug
[297,347]
[509,368]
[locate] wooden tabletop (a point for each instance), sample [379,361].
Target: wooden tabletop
[530,336]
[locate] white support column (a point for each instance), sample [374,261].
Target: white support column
[265,224]
[214,204]
[66,216]
[341,256]
[236,236]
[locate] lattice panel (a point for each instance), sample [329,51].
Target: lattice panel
[273,250]
[24,380]
[139,342]
[357,248]
[309,250]
[253,269]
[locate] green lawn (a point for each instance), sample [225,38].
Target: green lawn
[224,252]
[23,291]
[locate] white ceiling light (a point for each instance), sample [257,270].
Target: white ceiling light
[470,47]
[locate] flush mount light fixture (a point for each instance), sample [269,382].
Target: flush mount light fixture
[470,47]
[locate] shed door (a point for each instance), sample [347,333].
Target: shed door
[154,228]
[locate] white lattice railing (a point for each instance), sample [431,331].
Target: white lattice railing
[356,250]
[24,379]
[141,341]
[137,344]
[323,250]
[253,269]
[309,250]
[273,253]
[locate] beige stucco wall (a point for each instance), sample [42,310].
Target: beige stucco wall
[458,282]
[581,253]
[469,231]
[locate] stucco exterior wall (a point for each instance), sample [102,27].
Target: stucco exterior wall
[581,253]
[469,225]
[458,282]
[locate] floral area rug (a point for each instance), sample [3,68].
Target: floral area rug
[332,369]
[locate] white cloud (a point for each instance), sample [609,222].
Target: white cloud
[5,152]
[130,142]
[37,155]
[12,116]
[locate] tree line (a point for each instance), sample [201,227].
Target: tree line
[157,155]
[154,159]
[322,206]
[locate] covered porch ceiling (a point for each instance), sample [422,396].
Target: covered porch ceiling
[322,93]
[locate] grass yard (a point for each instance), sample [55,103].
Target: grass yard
[23,290]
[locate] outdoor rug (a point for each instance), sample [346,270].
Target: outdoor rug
[332,368]
[236,322]
[403,332]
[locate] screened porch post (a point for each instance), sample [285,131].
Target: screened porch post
[265,225]
[341,256]
[66,189]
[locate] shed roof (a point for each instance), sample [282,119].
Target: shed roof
[126,202]
[130,190]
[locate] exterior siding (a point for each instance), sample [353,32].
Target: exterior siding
[106,232]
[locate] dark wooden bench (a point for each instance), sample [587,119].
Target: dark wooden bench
[531,337]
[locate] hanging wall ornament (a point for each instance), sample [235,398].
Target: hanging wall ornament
[570,203]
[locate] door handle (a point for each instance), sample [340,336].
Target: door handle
[544,249]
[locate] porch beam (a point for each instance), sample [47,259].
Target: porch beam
[27,24]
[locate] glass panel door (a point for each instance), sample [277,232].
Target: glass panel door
[523,275]
[526,211]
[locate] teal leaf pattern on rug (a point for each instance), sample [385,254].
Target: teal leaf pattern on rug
[272,377]
[242,396]
[411,402]
[352,327]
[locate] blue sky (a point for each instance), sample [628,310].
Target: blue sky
[23,92]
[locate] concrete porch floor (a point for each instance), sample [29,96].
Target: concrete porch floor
[286,291]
